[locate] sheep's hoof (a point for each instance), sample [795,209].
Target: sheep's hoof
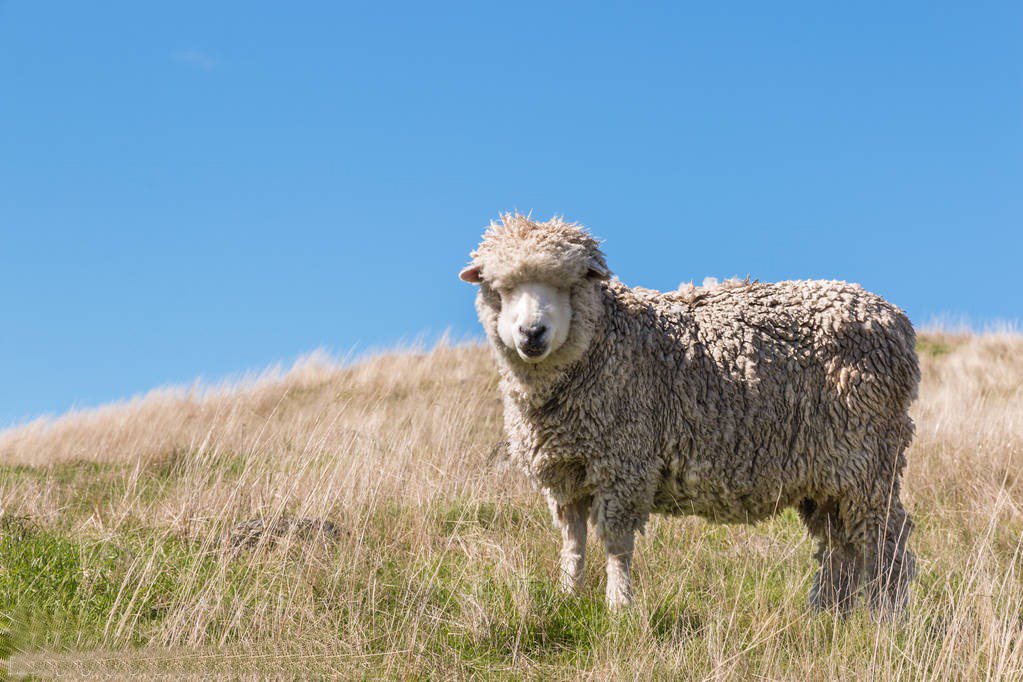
[571,585]
[840,606]
[618,601]
[619,607]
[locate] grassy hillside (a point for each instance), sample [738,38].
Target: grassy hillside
[117,555]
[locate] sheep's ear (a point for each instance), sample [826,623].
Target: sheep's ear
[598,271]
[471,274]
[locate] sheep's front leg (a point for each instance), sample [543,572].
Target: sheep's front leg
[619,558]
[572,520]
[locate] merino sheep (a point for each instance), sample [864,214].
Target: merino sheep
[729,401]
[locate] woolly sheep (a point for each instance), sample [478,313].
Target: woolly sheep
[729,401]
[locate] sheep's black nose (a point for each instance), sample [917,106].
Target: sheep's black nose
[533,334]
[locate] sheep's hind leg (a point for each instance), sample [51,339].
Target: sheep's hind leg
[572,520]
[889,564]
[835,584]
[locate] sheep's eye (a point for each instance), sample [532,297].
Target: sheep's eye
[492,296]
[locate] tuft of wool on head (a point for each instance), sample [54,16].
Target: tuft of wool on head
[519,249]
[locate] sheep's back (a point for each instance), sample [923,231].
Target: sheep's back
[779,388]
[799,332]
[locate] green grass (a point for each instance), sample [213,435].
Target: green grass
[470,619]
[79,591]
[71,591]
[418,581]
[74,590]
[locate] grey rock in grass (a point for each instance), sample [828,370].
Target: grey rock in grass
[252,532]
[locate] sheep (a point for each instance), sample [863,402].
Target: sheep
[730,401]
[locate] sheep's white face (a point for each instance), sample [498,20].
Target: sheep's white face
[534,319]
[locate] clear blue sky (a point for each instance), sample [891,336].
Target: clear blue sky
[197,189]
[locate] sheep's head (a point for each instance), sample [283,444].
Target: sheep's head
[537,286]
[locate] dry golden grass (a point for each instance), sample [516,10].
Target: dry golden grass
[114,558]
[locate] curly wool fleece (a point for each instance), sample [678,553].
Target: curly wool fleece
[731,402]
